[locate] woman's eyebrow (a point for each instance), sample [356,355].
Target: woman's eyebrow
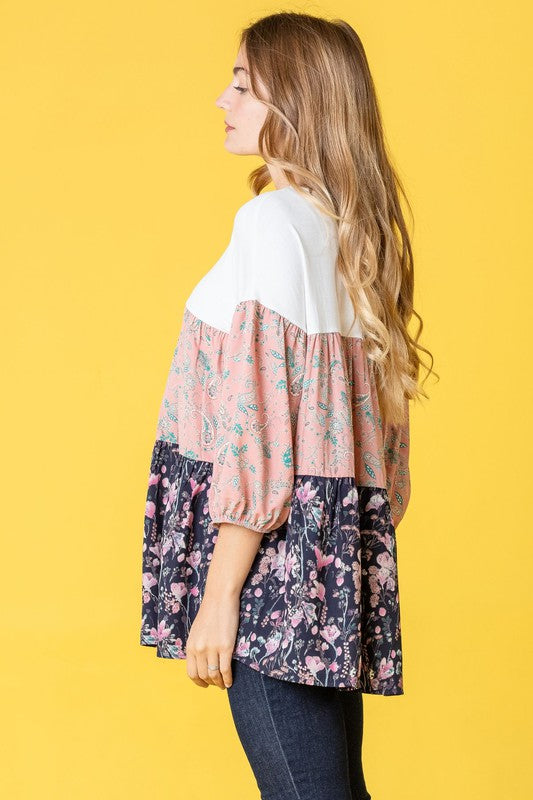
[236,69]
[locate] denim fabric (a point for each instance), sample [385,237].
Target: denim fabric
[302,742]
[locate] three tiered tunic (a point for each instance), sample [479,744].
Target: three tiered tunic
[270,420]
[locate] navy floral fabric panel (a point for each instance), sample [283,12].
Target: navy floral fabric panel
[320,605]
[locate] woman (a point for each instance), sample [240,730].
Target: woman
[280,469]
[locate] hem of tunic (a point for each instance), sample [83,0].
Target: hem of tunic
[287,677]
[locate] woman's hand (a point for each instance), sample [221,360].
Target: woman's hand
[211,640]
[213,633]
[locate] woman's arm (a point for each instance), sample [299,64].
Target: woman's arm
[213,633]
[233,556]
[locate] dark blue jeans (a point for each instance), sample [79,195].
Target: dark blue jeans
[303,742]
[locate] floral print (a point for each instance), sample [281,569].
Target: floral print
[320,604]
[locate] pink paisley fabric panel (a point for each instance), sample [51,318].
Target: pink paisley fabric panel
[253,465]
[396,455]
[272,380]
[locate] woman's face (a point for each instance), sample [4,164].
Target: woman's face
[245,113]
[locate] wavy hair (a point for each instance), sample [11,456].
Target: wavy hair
[324,131]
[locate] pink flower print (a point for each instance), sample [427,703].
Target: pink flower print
[330,633]
[162,632]
[196,487]
[282,548]
[321,559]
[179,646]
[305,493]
[351,498]
[194,591]
[290,563]
[278,569]
[171,494]
[148,580]
[186,520]
[333,667]
[386,669]
[156,549]
[194,558]
[178,590]
[243,647]
[376,501]
[272,644]
[314,664]
[149,509]
[309,611]
[387,573]
[264,566]
[154,478]
[317,590]
[297,617]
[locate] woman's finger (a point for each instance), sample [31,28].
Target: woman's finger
[214,675]
[225,657]
[192,671]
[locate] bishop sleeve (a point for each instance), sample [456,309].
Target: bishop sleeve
[264,362]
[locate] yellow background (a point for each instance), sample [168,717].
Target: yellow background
[117,196]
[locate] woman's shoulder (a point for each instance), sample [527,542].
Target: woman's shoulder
[284,253]
[280,209]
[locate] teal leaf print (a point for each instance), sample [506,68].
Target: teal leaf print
[287,457]
[331,437]
[267,452]
[290,357]
[370,471]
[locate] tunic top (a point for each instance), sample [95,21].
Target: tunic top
[270,420]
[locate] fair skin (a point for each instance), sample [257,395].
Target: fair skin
[213,633]
[246,114]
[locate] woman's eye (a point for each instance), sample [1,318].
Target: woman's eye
[239,88]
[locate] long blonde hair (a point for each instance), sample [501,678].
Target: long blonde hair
[324,131]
